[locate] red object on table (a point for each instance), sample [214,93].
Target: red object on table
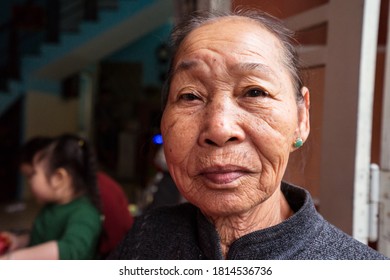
[4,244]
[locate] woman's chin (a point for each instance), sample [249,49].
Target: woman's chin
[223,207]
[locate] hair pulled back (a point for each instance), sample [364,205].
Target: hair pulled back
[77,157]
[32,147]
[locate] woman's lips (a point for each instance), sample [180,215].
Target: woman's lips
[223,175]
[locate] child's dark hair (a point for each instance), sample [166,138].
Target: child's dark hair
[77,157]
[32,147]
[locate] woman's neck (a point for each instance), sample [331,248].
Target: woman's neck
[271,212]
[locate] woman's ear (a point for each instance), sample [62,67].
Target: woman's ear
[303,115]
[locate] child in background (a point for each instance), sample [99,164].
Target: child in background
[28,151]
[63,179]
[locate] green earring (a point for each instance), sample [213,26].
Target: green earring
[298,142]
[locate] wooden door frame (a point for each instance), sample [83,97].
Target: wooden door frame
[384,201]
[349,58]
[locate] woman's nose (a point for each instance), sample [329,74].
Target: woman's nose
[222,123]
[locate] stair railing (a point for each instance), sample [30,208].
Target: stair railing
[40,21]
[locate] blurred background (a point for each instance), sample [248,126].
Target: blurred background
[96,68]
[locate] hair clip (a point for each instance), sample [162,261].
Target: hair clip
[81,143]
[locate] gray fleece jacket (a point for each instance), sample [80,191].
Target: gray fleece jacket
[182,232]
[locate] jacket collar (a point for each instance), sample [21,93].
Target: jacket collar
[281,241]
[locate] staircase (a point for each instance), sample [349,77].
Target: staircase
[80,43]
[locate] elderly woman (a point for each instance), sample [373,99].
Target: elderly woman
[234,109]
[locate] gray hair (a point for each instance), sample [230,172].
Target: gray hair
[270,23]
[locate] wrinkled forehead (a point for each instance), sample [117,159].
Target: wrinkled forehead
[228,31]
[226,22]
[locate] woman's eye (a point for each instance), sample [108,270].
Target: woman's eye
[256,92]
[188,97]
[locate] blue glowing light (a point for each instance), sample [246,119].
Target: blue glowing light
[157,139]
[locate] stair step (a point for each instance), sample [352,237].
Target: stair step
[74,39]
[29,62]
[109,12]
[48,48]
[8,98]
[15,87]
[89,27]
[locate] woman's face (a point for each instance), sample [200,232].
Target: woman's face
[231,117]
